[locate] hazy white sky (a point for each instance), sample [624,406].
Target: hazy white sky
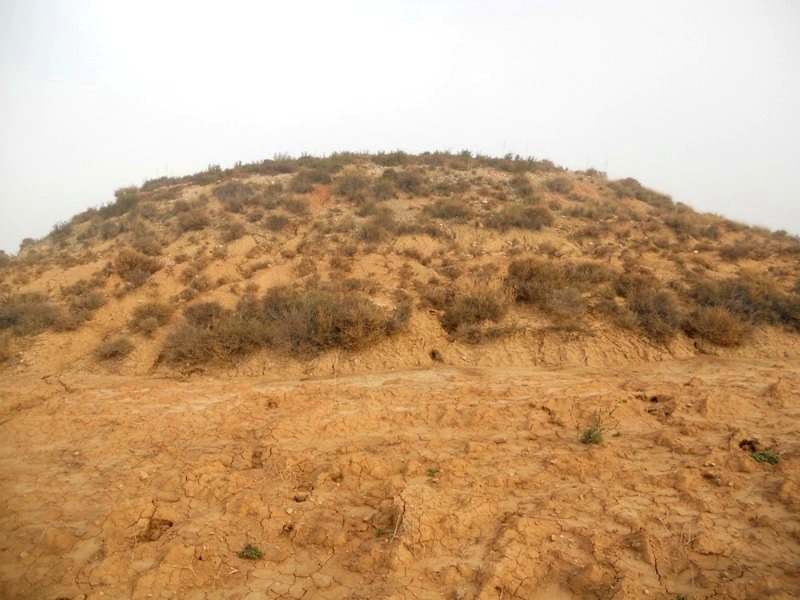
[700,100]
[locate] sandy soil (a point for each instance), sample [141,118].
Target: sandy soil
[433,483]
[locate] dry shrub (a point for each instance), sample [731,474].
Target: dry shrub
[534,280]
[291,320]
[126,200]
[523,188]
[305,179]
[150,316]
[531,218]
[740,249]
[384,189]
[658,312]
[397,158]
[148,245]
[135,267]
[276,222]
[311,321]
[234,231]
[82,286]
[28,313]
[717,325]
[449,209]
[194,219]
[88,302]
[379,227]
[296,206]
[630,188]
[483,303]
[560,185]
[752,297]
[307,266]
[587,274]
[409,181]
[353,186]
[116,347]
[234,195]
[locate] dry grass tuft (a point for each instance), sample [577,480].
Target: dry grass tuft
[115,348]
[717,325]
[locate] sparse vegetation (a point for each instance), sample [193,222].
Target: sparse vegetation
[560,185]
[149,316]
[532,218]
[194,219]
[114,348]
[438,193]
[6,351]
[766,456]
[299,321]
[28,313]
[250,552]
[657,311]
[135,267]
[474,306]
[717,325]
[593,434]
[449,209]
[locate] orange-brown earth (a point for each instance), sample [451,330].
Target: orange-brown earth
[440,482]
[436,455]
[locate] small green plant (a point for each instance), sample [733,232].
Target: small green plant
[594,433]
[766,456]
[379,532]
[432,473]
[250,552]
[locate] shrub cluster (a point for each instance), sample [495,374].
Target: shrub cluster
[531,218]
[557,288]
[116,347]
[718,325]
[657,311]
[149,316]
[28,313]
[306,178]
[288,319]
[630,188]
[135,267]
[560,185]
[483,303]
[755,299]
[126,200]
[450,209]
[523,188]
[194,219]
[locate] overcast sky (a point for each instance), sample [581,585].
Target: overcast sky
[696,99]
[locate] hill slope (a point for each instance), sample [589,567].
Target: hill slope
[300,264]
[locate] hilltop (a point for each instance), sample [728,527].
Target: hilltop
[400,376]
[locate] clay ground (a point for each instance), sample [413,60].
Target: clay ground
[431,483]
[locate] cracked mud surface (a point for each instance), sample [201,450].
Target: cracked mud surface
[439,483]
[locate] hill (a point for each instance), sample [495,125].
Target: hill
[410,256]
[437,375]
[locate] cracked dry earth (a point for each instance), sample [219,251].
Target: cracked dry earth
[436,483]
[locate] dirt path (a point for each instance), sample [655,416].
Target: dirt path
[442,483]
